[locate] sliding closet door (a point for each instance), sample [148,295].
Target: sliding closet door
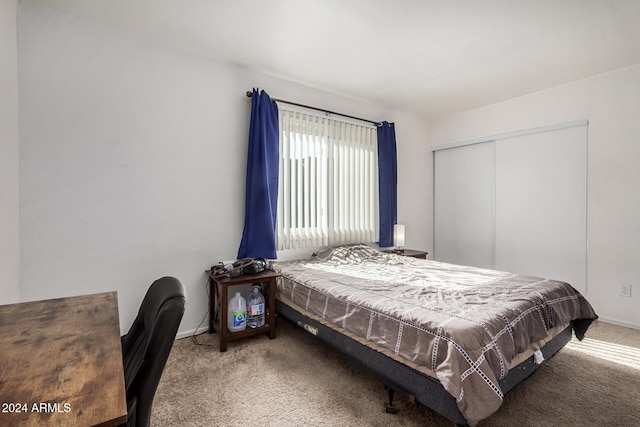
[541,208]
[464,204]
[517,203]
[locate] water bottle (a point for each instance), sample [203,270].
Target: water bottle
[255,308]
[237,314]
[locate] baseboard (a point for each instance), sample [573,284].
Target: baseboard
[202,329]
[187,334]
[618,322]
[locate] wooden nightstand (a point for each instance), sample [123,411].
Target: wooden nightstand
[409,252]
[219,302]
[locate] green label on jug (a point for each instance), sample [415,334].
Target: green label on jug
[239,318]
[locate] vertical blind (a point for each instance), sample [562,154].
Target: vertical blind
[328,186]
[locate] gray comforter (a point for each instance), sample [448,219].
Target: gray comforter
[465,324]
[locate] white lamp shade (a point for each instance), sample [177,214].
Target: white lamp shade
[398,235]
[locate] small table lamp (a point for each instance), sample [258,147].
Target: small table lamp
[398,237]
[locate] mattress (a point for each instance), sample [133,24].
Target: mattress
[466,326]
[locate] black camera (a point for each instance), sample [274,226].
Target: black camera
[256,266]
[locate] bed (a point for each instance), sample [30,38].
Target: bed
[454,337]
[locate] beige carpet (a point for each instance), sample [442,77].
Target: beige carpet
[296,380]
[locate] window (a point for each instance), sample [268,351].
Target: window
[328,185]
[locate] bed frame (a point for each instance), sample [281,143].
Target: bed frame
[399,377]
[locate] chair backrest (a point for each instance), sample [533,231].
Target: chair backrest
[147,345]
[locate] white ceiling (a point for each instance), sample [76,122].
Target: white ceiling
[430,57]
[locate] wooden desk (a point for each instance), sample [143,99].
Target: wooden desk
[61,363]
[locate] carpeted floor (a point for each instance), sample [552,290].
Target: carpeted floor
[296,380]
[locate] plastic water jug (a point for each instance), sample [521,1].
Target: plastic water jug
[237,314]
[256,311]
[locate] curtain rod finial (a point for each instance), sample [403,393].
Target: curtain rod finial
[249,93]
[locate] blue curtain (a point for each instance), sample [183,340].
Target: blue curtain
[388,182]
[258,236]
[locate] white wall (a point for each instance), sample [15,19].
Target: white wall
[415,182]
[611,103]
[133,161]
[9,175]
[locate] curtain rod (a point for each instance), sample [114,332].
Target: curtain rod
[249,93]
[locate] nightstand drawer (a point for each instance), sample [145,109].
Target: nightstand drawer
[409,252]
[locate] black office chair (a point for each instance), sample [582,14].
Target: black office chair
[146,346]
